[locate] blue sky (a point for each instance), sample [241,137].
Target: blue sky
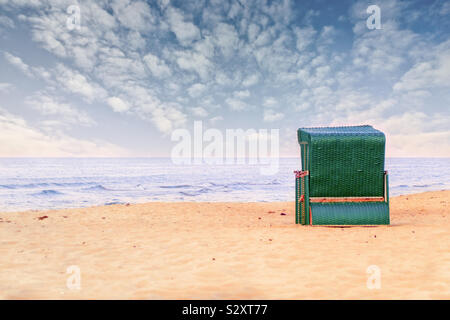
[135,71]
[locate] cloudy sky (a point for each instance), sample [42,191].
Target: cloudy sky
[134,71]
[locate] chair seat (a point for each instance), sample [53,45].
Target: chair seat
[349,213]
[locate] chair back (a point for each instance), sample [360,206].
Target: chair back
[343,161]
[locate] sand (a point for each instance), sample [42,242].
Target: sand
[224,251]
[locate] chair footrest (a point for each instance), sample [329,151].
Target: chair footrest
[349,213]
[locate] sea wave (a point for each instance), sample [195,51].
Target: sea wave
[188,194]
[49,192]
[176,186]
[45,184]
[110,203]
[98,187]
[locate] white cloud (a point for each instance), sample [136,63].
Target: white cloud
[226,38]
[194,62]
[77,83]
[263,38]
[215,119]
[49,31]
[168,117]
[196,90]
[97,17]
[136,15]
[18,139]
[157,66]
[235,8]
[50,106]
[205,47]
[5,87]
[241,94]
[199,112]
[236,104]
[165,116]
[114,71]
[353,100]
[223,79]
[163,3]
[135,40]
[327,35]
[7,22]
[253,31]
[432,73]
[302,106]
[280,11]
[389,49]
[271,116]
[417,134]
[186,32]
[18,63]
[251,80]
[305,36]
[117,104]
[21,3]
[276,58]
[270,102]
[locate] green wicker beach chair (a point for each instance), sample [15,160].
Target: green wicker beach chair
[342,181]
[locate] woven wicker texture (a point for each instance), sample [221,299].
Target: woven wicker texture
[343,161]
[345,213]
[302,206]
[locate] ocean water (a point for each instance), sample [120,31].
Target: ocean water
[52,183]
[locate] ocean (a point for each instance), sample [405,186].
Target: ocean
[54,183]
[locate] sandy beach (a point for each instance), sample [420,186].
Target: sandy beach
[224,251]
